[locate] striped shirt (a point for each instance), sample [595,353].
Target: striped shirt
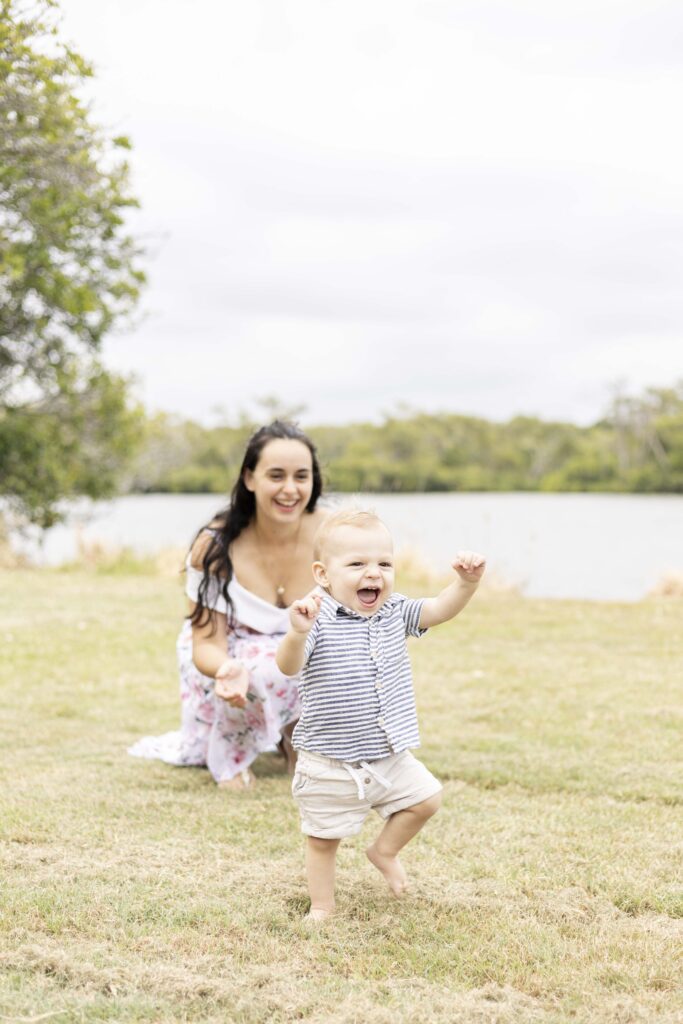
[356,685]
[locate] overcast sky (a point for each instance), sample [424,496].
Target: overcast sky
[462,205]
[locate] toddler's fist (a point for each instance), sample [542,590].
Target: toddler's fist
[303,613]
[469,565]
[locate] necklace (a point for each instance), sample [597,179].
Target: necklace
[281,587]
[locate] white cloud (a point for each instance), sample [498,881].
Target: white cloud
[475,206]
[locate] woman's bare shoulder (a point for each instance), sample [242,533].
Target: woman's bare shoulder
[312,520]
[319,514]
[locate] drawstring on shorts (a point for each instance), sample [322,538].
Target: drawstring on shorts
[356,774]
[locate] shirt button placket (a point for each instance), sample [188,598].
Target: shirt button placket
[375,652]
[379,663]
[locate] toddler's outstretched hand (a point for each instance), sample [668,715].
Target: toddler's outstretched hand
[303,613]
[469,566]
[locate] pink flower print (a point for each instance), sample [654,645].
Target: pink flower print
[227,739]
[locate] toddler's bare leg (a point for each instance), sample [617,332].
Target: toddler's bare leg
[321,855]
[398,830]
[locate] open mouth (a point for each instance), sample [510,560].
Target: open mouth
[368,596]
[287,506]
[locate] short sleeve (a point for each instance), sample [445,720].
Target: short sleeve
[214,598]
[410,613]
[311,640]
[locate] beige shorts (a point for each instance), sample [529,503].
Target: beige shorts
[335,797]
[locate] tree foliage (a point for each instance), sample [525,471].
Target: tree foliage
[637,446]
[68,270]
[66,447]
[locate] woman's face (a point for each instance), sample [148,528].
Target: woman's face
[282,480]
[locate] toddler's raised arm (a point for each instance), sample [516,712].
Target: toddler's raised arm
[302,614]
[469,566]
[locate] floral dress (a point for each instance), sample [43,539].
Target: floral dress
[212,732]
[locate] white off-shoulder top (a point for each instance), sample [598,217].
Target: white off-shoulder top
[249,609]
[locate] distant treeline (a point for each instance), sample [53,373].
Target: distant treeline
[636,447]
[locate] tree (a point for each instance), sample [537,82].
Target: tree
[68,273]
[49,451]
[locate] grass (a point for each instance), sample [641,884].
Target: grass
[548,889]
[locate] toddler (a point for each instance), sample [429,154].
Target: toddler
[358,719]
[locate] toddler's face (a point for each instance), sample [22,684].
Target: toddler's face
[357,567]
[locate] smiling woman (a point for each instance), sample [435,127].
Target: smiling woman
[243,569]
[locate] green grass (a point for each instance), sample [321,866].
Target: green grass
[547,889]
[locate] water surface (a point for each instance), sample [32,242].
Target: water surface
[600,546]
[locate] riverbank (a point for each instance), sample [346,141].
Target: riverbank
[547,889]
[575,546]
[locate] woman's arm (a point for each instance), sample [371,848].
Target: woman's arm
[210,656]
[209,640]
[209,645]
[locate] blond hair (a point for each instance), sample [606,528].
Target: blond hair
[349,515]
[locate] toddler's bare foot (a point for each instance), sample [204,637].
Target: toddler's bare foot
[318,914]
[391,868]
[243,780]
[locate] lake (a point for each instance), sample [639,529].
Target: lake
[592,546]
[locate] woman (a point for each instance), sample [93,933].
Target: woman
[244,569]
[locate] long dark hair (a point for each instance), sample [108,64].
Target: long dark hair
[227,524]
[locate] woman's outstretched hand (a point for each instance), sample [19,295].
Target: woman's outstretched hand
[232,683]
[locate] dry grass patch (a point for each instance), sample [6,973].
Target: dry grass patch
[547,889]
